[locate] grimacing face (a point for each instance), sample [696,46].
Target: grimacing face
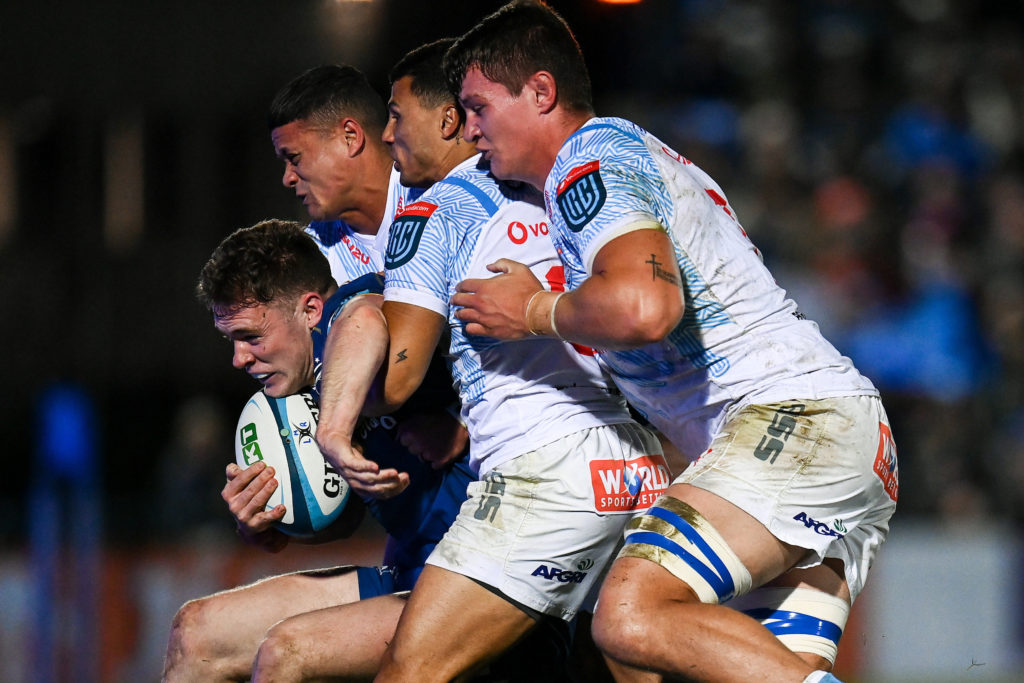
[272,343]
[413,135]
[315,166]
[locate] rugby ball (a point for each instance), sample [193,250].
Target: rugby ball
[280,432]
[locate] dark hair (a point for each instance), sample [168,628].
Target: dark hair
[325,95]
[423,64]
[517,41]
[262,263]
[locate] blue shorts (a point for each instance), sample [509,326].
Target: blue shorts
[374,581]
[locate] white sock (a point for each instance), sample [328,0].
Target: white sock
[821,677]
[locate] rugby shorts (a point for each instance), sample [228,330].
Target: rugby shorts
[541,528]
[820,475]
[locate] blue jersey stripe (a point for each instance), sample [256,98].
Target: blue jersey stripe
[485,201]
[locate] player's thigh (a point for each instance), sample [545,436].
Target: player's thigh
[450,613]
[343,641]
[762,554]
[269,600]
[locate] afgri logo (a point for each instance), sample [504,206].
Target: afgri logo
[625,486]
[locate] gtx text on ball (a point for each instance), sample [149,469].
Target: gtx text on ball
[281,432]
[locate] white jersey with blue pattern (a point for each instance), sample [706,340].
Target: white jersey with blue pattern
[516,396]
[354,254]
[740,341]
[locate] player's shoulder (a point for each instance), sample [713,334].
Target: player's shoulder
[606,136]
[469,191]
[604,145]
[328,233]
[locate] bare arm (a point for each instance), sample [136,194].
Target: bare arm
[376,357]
[355,350]
[634,297]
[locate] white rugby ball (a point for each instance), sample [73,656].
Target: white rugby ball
[280,431]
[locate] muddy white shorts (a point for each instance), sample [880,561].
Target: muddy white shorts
[541,528]
[820,475]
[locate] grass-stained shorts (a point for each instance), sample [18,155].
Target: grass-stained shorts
[541,528]
[820,475]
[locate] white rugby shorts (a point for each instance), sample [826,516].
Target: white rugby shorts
[820,475]
[542,528]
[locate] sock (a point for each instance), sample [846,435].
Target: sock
[821,677]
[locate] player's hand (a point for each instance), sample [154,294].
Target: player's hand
[362,474]
[246,493]
[496,307]
[436,438]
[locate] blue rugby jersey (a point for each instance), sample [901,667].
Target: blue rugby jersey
[417,518]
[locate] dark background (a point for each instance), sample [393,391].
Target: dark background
[871,149]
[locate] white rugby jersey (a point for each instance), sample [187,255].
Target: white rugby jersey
[741,340]
[353,254]
[516,396]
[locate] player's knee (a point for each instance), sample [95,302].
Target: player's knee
[619,628]
[187,647]
[279,650]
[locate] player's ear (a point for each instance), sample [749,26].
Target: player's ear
[543,90]
[451,121]
[312,308]
[355,136]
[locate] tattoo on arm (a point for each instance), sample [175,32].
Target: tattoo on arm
[400,356]
[657,272]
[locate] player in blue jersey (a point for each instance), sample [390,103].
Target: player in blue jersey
[325,126]
[562,465]
[273,297]
[795,475]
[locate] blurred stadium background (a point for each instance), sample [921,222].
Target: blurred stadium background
[873,150]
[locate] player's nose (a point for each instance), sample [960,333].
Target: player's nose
[290,177]
[242,356]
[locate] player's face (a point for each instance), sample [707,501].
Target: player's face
[413,135]
[315,165]
[272,343]
[500,124]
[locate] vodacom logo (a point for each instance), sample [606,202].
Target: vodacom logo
[519,232]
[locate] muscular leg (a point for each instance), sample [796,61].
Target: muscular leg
[344,642]
[828,578]
[647,619]
[451,626]
[215,638]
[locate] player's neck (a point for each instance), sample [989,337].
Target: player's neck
[550,140]
[367,216]
[458,151]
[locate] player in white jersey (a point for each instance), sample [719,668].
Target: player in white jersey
[796,479]
[562,465]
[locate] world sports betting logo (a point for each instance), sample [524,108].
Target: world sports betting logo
[628,485]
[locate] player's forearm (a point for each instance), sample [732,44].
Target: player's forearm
[355,350]
[606,315]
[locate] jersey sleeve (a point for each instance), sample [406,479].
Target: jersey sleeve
[606,188]
[417,269]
